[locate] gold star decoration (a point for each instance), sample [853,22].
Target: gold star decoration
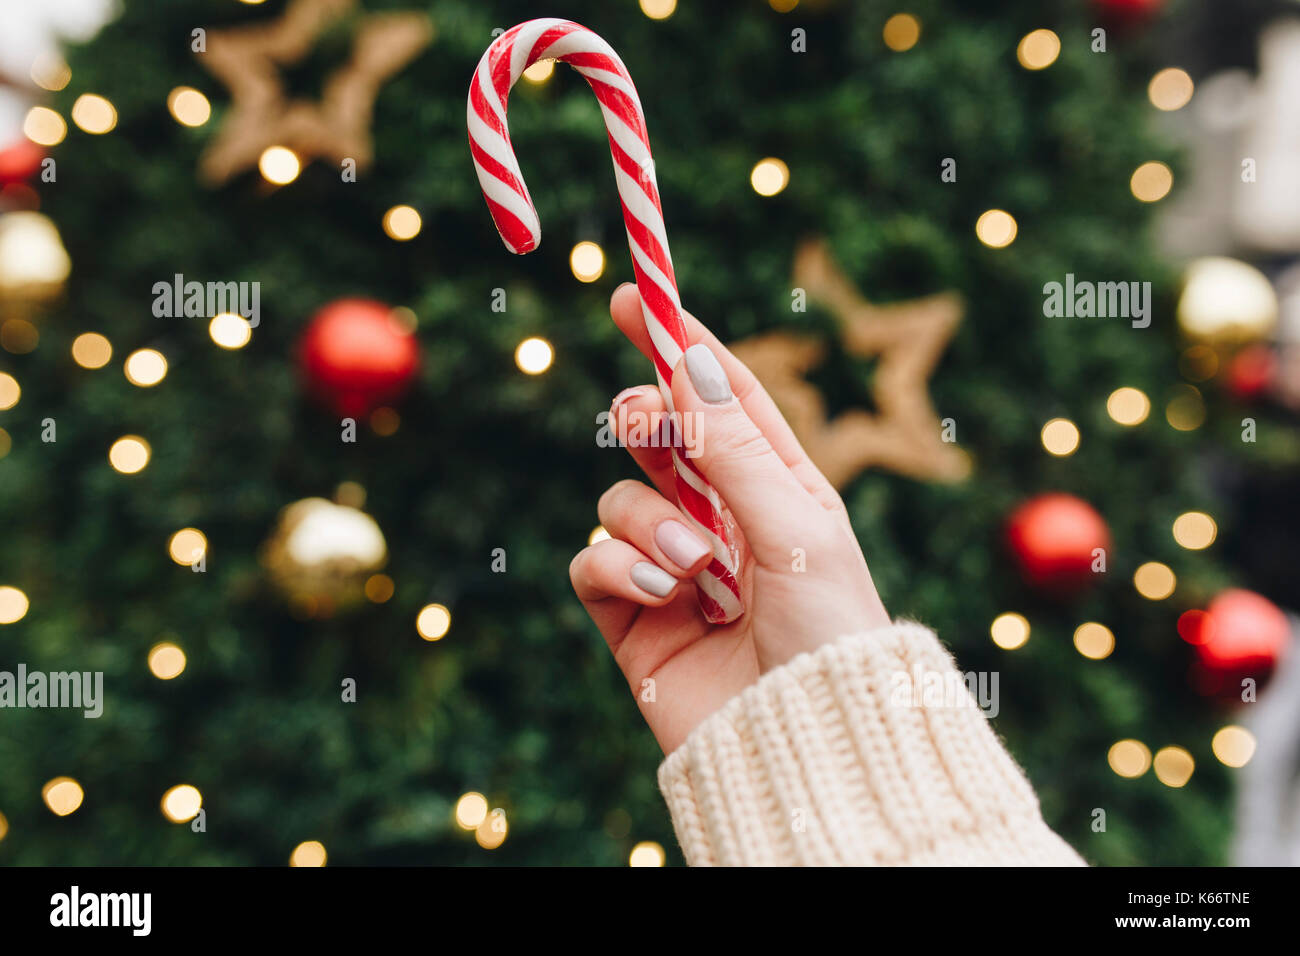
[904,435]
[248,61]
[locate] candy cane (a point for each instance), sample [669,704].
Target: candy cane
[516,219]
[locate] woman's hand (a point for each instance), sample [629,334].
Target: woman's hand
[803,579]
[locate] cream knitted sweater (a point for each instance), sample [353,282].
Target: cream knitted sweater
[822,763]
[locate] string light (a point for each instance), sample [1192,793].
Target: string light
[1195,530]
[1151,182]
[188,106]
[1061,437]
[646,853]
[166,660]
[1170,89]
[379,588]
[279,165]
[44,127]
[10,391]
[5,443]
[587,260]
[996,228]
[4,826]
[129,454]
[1128,406]
[901,32]
[145,367]
[1155,581]
[187,547]
[181,803]
[402,223]
[658,9]
[13,605]
[534,355]
[1094,641]
[1186,410]
[471,810]
[230,331]
[62,795]
[769,176]
[1009,631]
[540,71]
[385,421]
[18,335]
[94,114]
[598,533]
[1234,746]
[433,622]
[91,350]
[1173,766]
[1199,363]
[491,833]
[1038,49]
[1129,758]
[783,6]
[50,72]
[308,853]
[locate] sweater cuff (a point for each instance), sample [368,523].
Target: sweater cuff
[833,759]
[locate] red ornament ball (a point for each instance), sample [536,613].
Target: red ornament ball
[356,356]
[20,161]
[1053,538]
[1251,372]
[1242,633]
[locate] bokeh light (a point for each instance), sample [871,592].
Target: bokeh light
[646,853]
[1129,758]
[1038,49]
[402,223]
[769,176]
[433,622]
[62,795]
[230,331]
[1154,581]
[1094,641]
[1170,89]
[996,229]
[44,127]
[10,391]
[1128,406]
[188,106]
[658,9]
[534,355]
[145,367]
[166,660]
[91,350]
[1173,766]
[901,32]
[1195,530]
[587,260]
[1233,746]
[13,605]
[471,810]
[279,165]
[187,546]
[1061,437]
[181,803]
[308,853]
[1151,182]
[129,454]
[1009,631]
[94,114]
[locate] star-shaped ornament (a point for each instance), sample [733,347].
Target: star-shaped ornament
[249,60]
[907,339]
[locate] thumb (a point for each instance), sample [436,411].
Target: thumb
[723,443]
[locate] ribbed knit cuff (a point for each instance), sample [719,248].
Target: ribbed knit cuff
[833,759]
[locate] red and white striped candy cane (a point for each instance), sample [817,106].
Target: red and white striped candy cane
[516,219]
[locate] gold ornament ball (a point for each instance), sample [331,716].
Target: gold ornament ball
[1226,300]
[33,263]
[320,555]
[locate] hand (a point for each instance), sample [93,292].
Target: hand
[637,585]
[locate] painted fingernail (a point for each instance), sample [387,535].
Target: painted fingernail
[652,579]
[623,396]
[707,376]
[682,547]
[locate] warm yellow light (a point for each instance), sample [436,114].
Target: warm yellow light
[62,795]
[901,32]
[1152,181]
[10,391]
[385,421]
[1128,406]
[187,546]
[1199,363]
[598,533]
[1155,581]
[166,660]
[1186,410]
[1173,766]
[1009,630]
[646,853]
[188,106]
[145,367]
[4,826]
[534,355]
[783,6]
[129,454]
[18,335]
[1038,49]
[587,260]
[1061,437]
[379,588]
[433,622]
[182,802]
[44,127]
[769,176]
[471,810]
[309,853]
[540,71]
[1195,530]
[1170,89]
[1094,641]
[91,350]
[996,229]
[279,165]
[230,331]
[1234,746]
[402,223]
[13,605]
[491,833]
[6,442]
[1129,758]
[658,9]
[93,113]
[50,72]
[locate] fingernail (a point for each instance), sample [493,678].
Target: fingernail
[707,376]
[623,396]
[652,579]
[682,547]
[619,289]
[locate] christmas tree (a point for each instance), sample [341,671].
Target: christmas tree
[950,150]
